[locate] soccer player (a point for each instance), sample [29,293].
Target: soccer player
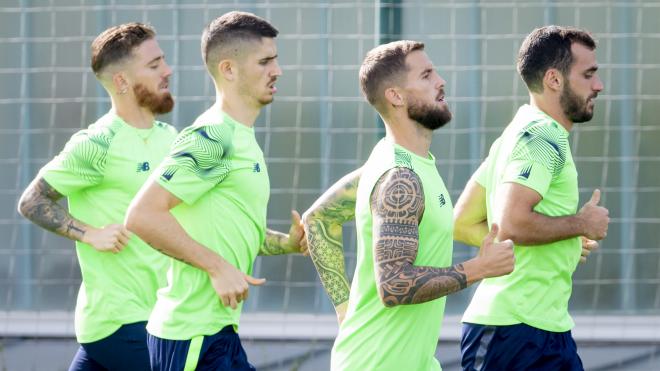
[206,206]
[99,171]
[528,185]
[404,225]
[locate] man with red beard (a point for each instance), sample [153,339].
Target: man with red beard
[528,185]
[206,206]
[99,171]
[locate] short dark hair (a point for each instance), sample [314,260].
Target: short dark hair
[223,32]
[116,43]
[384,64]
[549,47]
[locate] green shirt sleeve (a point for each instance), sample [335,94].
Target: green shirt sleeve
[80,164]
[538,156]
[197,162]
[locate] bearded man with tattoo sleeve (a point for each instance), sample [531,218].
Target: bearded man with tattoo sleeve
[99,171]
[391,314]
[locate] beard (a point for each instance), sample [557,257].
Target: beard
[428,115]
[575,108]
[156,103]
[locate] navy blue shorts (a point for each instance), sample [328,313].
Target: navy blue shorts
[517,347]
[222,351]
[125,349]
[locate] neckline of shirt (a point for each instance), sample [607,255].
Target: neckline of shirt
[429,160]
[545,115]
[140,132]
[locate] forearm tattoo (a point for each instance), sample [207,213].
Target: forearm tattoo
[397,206]
[327,255]
[275,243]
[39,204]
[325,238]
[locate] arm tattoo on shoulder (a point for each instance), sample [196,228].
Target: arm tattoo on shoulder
[397,206]
[325,236]
[39,204]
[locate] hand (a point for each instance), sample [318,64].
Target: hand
[498,257]
[594,218]
[587,247]
[297,240]
[111,238]
[231,285]
[341,312]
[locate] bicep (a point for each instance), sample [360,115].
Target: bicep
[152,196]
[517,206]
[397,206]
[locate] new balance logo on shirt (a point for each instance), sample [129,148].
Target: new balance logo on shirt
[256,168]
[168,174]
[441,199]
[142,166]
[525,172]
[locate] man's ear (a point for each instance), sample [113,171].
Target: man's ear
[227,69]
[553,79]
[120,82]
[393,97]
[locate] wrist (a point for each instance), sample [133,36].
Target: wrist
[214,265]
[579,222]
[476,269]
[86,236]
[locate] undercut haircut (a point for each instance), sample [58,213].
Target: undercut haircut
[221,36]
[117,43]
[549,47]
[384,66]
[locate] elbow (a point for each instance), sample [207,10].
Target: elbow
[310,216]
[511,230]
[386,297]
[23,206]
[387,302]
[134,219]
[307,218]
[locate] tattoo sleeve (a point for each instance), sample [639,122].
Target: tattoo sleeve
[323,228]
[39,204]
[397,206]
[276,243]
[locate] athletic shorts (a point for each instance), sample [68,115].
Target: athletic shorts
[517,347]
[222,351]
[125,349]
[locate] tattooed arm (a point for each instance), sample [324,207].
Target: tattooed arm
[397,206]
[323,229]
[39,204]
[278,243]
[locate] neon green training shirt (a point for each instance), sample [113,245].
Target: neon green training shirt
[533,151]
[372,336]
[217,169]
[99,170]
